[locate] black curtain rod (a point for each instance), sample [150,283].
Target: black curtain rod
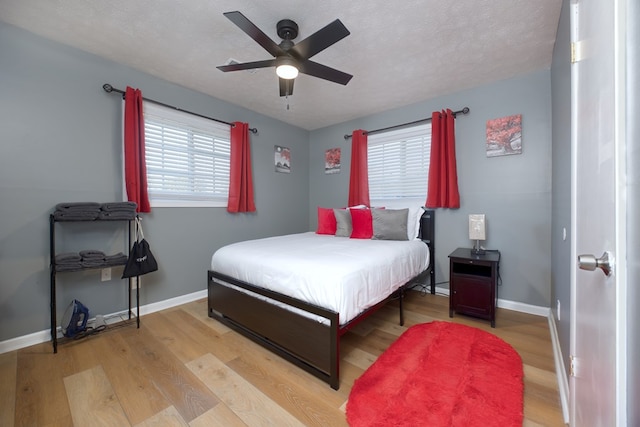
[108,88]
[465,110]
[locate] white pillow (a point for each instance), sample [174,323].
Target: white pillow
[413,222]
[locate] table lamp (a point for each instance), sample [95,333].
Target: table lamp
[477,232]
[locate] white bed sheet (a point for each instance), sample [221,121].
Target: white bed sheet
[342,274]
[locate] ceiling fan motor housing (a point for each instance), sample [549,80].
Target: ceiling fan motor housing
[287,29]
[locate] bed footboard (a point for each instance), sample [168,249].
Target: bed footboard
[307,343]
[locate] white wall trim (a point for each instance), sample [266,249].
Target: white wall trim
[510,305]
[523,308]
[44,336]
[561,372]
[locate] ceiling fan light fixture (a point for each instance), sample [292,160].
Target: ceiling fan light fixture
[286,68]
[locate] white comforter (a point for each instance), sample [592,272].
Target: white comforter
[342,274]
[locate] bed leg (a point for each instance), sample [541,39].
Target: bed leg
[401,308]
[432,276]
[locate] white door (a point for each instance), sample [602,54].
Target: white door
[597,387]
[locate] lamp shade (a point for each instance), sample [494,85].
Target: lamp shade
[286,68]
[477,227]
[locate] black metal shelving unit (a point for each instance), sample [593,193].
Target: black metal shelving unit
[54,272]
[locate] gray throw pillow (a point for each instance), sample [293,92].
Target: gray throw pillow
[389,224]
[343,222]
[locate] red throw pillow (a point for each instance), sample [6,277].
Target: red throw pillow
[362,223]
[326,221]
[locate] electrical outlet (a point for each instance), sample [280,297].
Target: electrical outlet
[558,309]
[106,274]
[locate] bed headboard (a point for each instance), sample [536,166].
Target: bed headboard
[428,234]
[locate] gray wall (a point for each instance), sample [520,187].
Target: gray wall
[561,194]
[513,191]
[61,142]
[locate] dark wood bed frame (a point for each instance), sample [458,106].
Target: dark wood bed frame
[307,343]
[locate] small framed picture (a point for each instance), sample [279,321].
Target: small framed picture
[282,156]
[504,136]
[332,161]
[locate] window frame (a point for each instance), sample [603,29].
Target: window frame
[396,141]
[203,128]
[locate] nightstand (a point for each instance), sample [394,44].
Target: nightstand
[473,282]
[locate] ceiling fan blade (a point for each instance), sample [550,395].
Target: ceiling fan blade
[320,40]
[254,32]
[247,65]
[323,72]
[286,87]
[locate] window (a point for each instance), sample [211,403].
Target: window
[398,163]
[187,158]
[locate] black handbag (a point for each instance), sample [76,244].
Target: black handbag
[141,260]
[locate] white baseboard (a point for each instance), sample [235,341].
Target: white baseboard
[523,308]
[510,305]
[44,336]
[561,372]
[172,302]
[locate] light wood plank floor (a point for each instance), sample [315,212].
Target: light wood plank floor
[182,368]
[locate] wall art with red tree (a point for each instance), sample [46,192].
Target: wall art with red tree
[504,136]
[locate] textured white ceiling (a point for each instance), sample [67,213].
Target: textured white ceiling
[399,52]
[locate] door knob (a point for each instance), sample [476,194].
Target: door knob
[590,263]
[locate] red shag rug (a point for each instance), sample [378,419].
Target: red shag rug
[441,374]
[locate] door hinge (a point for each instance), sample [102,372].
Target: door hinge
[575,52]
[572,366]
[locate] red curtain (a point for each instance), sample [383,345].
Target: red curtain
[135,167]
[443,176]
[241,181]
[359,178]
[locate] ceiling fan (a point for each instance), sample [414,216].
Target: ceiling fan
[289,57]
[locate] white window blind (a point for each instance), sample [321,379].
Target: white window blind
[398,162]
[187,158]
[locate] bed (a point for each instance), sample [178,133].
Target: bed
[300,307]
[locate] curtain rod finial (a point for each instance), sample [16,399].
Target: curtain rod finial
[107,87]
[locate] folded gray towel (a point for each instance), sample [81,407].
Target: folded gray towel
[117,259]
[69,266]
[117,215]
[92,253]
[76,215]
[92,263]
[78,206]
[119,206]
